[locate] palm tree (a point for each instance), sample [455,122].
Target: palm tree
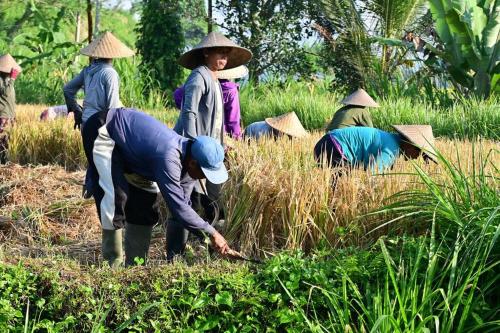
[364,31]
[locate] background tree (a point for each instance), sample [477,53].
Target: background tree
[363,39]
[161,41]
[273,30]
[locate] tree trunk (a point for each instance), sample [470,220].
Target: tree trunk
[89,20]
[209,16]
[97,17]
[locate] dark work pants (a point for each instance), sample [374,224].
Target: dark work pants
[209,204]
[177,234]
[117,201]
[326,152]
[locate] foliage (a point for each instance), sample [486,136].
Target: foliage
[357,34]
[398,285]
[273,31]
[469,32]
[161,42]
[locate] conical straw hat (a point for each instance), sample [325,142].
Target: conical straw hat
[361,98]
[420,136]
[107,46]
[7,63]
[194,57]
[233,73]
[288,123]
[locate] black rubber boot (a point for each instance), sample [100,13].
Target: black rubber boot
[137,241]
[112,251]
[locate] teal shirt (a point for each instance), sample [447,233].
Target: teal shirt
[368,146]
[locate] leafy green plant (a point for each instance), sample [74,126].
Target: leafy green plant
[469,32]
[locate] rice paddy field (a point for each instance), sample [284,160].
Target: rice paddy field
[413,250]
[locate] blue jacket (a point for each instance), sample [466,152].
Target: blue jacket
[155,152]
[368,146]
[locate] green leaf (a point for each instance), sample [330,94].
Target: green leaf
[224,298]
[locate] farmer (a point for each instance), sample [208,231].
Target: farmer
[354,112]
[125,141]
[286,124]
[57,111]
[230,96]
[99,80]
[202,110]
[374,148]
[100,83]
[9,70]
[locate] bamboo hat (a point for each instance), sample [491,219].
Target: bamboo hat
[361,98]
[107,46]
[7,63]
[233,73]
[420,136]
[194,57]
[288,123]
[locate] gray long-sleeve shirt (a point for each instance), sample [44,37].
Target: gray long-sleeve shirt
[155,152]
[199,112]
[100,83]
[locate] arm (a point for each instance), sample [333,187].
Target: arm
[367,119]
[168,178]
[232,114]
[178,93]
[70,90]
[193,91]
[112,85]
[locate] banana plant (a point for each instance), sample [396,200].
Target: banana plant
[469,31]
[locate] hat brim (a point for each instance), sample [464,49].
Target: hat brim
[296,133]
[426,148]
[217,176]
[237,56]
[234,73]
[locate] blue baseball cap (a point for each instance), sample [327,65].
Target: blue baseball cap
[210,156]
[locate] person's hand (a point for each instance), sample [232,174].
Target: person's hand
[78,119]
[14,73]
[219,243]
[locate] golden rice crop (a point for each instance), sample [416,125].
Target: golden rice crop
[276,197]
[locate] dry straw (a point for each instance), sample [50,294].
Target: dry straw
[276,197]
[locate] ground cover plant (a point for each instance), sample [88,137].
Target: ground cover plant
[415,250]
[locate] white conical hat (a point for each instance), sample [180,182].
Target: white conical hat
[420,136]
[7,63]
[194,57]
[288,123]
[107,46]
[361,98]
[233,73]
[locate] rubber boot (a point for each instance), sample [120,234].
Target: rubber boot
[137,241]
[112,251]
[177,237]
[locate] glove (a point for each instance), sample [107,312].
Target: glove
[78,118]
[14,73]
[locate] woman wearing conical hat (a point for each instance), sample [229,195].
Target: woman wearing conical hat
[230,96]
[287,124]
[354,112]
[202,110]
[100,83]
[99,80]
[373,148]
[9,70]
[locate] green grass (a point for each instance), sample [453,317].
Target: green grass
[315,106]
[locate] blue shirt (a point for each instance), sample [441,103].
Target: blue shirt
[155,152]
[257,130]
[368,146]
